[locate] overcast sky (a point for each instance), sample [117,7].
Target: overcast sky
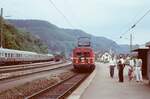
[108,18]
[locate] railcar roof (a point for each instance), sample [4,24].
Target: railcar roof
[16,51]
[50,55]
[83,48]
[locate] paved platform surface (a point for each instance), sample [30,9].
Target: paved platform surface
[104,87]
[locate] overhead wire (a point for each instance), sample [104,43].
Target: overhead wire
[60,12]
[65,17]
[67,20]
[134,25]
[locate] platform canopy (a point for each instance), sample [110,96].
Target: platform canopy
[140,49]
[148,44]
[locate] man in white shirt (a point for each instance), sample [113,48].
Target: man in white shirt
[138,69]
[112,65]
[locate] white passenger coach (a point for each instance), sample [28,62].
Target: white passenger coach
[10,56]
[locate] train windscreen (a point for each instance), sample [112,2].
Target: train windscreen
[82,54]
[84,42]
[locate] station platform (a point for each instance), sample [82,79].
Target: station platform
[102,86]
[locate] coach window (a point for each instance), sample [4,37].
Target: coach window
[17,55]
[5,54]
[2,54]
[11,55]
[14,55]
[8,55]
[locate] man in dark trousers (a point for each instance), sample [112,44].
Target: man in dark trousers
[120,68]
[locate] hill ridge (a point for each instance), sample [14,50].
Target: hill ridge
[61,39]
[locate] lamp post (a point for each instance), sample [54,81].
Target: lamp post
[1,27]
[131,41]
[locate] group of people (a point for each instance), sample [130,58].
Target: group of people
[134,68]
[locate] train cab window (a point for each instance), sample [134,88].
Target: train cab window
[78,54]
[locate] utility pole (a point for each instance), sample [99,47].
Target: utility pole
[1,27]
[130,42]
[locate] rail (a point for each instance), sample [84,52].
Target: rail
[11,75]
[61,89]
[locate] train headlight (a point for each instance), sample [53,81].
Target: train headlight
[76,61]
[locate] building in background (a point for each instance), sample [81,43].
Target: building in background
[105,57]
[148,60]
[142,53]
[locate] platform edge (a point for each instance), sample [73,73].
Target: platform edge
[80,90]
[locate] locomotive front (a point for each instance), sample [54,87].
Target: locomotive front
[83,57]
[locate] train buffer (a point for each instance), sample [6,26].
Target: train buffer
[102,86]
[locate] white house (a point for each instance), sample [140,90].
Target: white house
[106,57]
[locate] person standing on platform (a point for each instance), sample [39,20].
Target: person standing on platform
[112,65]
[121,66]
[138,70]
[130,69]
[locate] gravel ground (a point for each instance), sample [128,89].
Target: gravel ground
[10,83]
[28,88]
[24,72]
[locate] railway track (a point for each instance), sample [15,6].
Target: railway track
[60,90]
[24,72]
[31,64]
[25,67]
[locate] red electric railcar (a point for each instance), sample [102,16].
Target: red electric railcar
[83,56]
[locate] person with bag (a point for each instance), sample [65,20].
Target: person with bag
[130,69]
